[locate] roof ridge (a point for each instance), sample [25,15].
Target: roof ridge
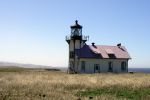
[106,45]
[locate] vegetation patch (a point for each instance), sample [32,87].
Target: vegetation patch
[14,69]
[121,92]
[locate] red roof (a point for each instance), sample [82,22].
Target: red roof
[103,51]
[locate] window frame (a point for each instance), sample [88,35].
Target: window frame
[83,66]
[97,68]
[123,66]
[110,66]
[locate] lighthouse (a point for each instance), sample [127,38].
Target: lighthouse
[75,41]
[94,58]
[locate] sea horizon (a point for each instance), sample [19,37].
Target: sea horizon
[139,69]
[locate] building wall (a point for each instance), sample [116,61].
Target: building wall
[71,45]
[89,65]
[82,44]
[77,44]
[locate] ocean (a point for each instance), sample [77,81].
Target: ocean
[140,70]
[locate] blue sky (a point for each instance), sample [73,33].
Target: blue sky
[33,31]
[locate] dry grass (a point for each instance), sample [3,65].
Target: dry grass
[52,85]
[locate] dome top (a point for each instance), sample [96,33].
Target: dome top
[76,25]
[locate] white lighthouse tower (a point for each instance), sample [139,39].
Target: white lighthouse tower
[76,41]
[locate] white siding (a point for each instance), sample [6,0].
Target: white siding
[71,45]
[89,65]
[77,44]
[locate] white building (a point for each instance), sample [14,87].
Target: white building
[93,58]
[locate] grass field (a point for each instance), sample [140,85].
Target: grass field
[30,84]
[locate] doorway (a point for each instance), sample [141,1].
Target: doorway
[96,68]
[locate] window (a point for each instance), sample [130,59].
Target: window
[111,56]
[98,55]
[110,67]
[71,54]
[83,66]
[96,68]
[76,32]
[110,53]
[123,66]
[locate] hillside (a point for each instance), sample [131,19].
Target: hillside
[11,64]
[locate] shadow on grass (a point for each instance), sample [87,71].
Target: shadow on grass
[50,69]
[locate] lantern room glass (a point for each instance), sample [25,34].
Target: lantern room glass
[76,32]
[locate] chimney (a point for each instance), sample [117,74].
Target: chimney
[119,45]
[93,44]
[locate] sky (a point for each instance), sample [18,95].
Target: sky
[33,31]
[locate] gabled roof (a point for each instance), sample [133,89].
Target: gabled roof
[102,51]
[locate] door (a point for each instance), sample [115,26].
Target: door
[83,66]
[96,68]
